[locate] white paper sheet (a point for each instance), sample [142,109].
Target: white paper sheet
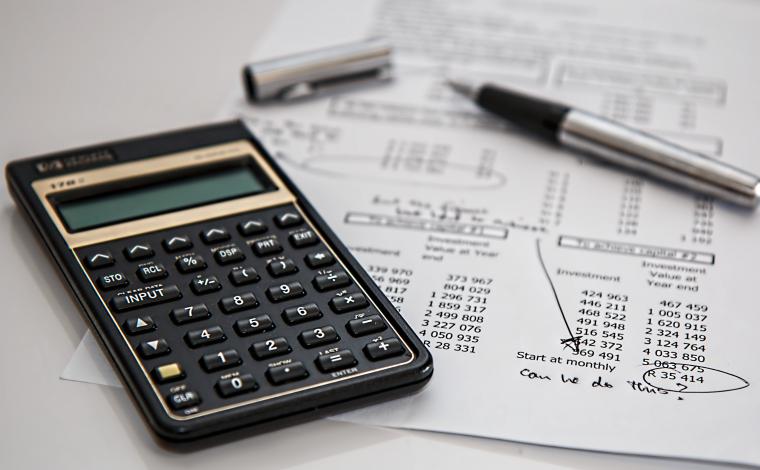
[500,250]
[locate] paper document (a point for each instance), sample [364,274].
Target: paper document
[565,302]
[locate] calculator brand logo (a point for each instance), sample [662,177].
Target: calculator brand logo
[79,160]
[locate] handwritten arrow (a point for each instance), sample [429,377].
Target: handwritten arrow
[573,342]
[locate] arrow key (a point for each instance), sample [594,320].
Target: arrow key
[138,251]
[288,219]
[154,348]
[99,260]
[251,227]
[177,243]
[319,259]
[215,235]
[135,326]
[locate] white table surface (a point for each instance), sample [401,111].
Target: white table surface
[76,73]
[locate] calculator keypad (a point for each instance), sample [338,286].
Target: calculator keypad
[240,308]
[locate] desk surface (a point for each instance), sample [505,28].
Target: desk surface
[76,75]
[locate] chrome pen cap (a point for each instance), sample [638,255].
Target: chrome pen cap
[318,71]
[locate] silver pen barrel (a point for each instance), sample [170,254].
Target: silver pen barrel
[653,156]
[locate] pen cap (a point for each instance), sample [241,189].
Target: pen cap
[317,71]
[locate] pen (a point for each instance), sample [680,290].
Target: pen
[616,143]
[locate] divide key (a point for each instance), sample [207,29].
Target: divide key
[142,298]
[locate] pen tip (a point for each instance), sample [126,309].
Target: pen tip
[463,87]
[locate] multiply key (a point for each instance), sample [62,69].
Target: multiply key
[142,298]
[348,302]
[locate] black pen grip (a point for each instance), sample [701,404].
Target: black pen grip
[536,115]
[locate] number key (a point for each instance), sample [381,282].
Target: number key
[220,360]
[301,313]
[270,348]
[318,336]
[239,302]
[210,335]
[290,290]
[188,314]
[253,325]
[236,385]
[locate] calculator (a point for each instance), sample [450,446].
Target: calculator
[220,295]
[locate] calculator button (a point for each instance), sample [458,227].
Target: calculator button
[288,219]
[135,326]
[366,325]
[236,385]
[189,314]
[191,263]
[99,260]
[112,281]
[210,335]
[215,235]
[220,360]
[237,303]
[303,238]
[383,349]
[168,372]
[154,348]
[318,336]
[287,373]
[270,348]
[331,280]
[251,227]
[144,297]
[290,290]
[204,284]
[266,246]
[138,251]
[243,276]
[319,259]
[151,272]
[348,302]
[229,254]
[177,243]
[182,400]
[342,359]
[253,325]
[301,313]
[282,267]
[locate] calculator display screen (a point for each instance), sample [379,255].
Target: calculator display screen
[163,196]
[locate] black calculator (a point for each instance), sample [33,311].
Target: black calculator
[220,295]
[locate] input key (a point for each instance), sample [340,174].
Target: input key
[139,298]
